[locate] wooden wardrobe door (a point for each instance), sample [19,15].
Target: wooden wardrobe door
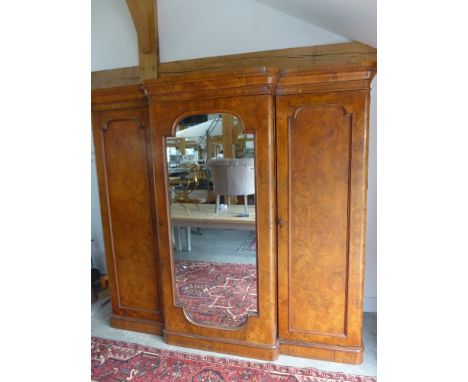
[322,182]
[122,145]
[248,97]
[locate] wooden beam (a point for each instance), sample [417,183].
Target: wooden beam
[310,58]
[142,12]
[115,77]
[145,18]
[148,66]
[307,58]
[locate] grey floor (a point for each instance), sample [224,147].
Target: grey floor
[217,245]
[100,327]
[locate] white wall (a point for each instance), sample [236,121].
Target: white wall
[203,28]
[97,244]
[113,37]
[355,19]
[370,281]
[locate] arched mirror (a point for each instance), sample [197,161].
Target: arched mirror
[211,170]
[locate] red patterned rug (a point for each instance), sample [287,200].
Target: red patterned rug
[123,361]
[217,294]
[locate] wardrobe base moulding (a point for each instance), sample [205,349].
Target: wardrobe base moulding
[136,324]
[224,345]
[333,353]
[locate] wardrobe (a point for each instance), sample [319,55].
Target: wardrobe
[310,129]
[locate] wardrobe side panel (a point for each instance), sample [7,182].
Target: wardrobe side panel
[121,140]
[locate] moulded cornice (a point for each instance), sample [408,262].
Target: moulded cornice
[118,97]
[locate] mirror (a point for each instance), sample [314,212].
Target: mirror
[211,170]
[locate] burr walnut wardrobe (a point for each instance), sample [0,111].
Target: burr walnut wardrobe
[308,127]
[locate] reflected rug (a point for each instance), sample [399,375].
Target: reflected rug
[123,361]
[216,294]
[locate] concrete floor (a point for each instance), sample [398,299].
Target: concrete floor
[100,327]
[217,245]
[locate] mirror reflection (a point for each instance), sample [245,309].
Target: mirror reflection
[211,171]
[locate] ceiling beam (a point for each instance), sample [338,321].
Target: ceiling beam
[308,58]
[110,78]
[351,54]
[145,18]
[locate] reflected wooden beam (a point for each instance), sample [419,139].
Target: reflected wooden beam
[228,142]
[227,123]
[236,131]
[181,142]
[210,150]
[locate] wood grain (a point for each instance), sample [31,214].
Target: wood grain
[258,336]
[145,20]
[330,56]
[224,345]
[321,111]
[322,186]
[136,324]
[341,354]
[319,145]
[310,58]
[111,78]
[121,146]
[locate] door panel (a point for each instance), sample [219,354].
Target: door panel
[319,152]
[320,158]
[257,335]
[121,154]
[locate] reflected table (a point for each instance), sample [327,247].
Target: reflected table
[204,216]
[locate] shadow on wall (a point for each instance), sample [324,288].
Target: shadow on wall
[370,278]
[97,239]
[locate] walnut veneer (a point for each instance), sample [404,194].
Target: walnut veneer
[322,188]
[311,146]
[123,159]
[248,97]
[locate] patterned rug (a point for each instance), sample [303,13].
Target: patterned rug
[123,361]
[217,294]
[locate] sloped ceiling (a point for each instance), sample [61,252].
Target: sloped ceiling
[353,19]
[202,28]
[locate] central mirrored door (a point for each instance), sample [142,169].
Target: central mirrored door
[212,198]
